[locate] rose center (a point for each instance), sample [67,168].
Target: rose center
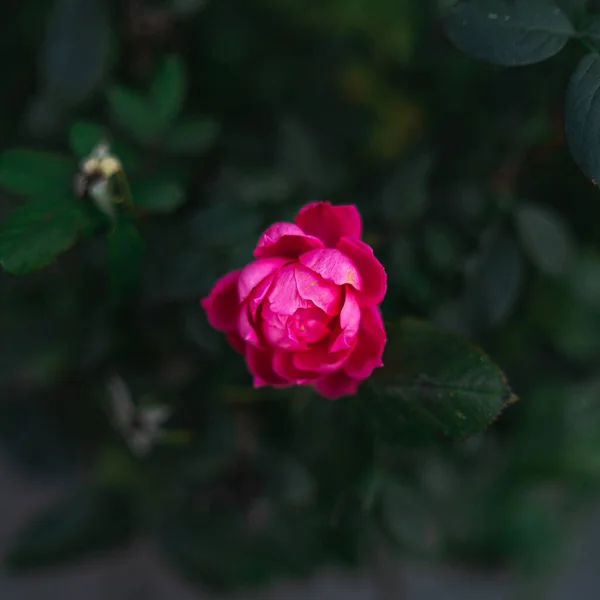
[308,325]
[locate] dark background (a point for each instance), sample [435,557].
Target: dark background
[470,200]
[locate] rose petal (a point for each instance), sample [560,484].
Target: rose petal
[283,296]
[323,294]
[368,351]
[222,305]
[285,239]
[329,223]
[258,294]
[332,265]
[246,329]
[252,274]
[337,384]
[374,278]
[260,364]
[237,343]
[275,329]
[350,317]
[283,365]
[320,359]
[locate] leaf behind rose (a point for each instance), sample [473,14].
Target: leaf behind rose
[434,385]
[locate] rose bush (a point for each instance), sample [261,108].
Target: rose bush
[306,311]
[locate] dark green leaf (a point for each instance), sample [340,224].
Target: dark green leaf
[192,136]
[405,197]
[168,89]
[433,385]
[545,238]
[158,195]
[134,114]
[125,254]
[38,231]
[35,173]
[508,33]
[76,51]
[84,136]
[82,524]
[582,116]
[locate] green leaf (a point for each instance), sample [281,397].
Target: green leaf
[582,116]
[125,254]
[406,196]
[134,113]
[76,50]
[84,523]
[84,136]
[546,238]
[159,195]
[168,89]
[37,232]
[35,173]
[434,385]
[508,33]
[192,136]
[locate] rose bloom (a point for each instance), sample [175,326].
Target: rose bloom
[306,311]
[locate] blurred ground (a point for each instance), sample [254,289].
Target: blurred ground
[139,573]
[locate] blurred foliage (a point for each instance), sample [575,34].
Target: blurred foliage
[228,116]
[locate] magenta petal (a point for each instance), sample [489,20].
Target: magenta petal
[285,239]
[350,317]
[258,295]
[332,265]
[374,278]
[323,294]
[283,297]
[330,223]
[246,329]
[368,351]
[283,365]
[222,305]
[252,274]
[336,385]
[237,343]
[275,329]
[260,364]
[320,359]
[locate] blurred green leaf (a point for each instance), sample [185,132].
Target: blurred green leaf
[35,173]
[509,33]
[82,524]
[192,136]
[442,247]
[168,89]
[582,120]
[405,196]
[84,136]
[134,113]
[76,50]
[125,255]
[159,195]
[433,385]
[546,238]
[34,234]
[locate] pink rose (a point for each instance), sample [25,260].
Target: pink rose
[306,311]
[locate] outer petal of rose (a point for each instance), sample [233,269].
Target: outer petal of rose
[285,239]
[260,364]
[337,384]
[283,365]
[374,278]
[332,265]
[323,294]
[246,329]
[283,296]
[252,274]
[329,223]
[237,343]
[369,348]
[350,317]
[222,305]
[258,295]
[320,359]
